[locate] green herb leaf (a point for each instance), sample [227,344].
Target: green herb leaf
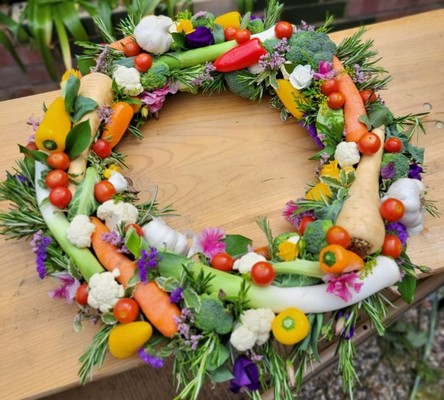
[407,288]
[78,139]
[330,123]
[35,154]
[84,202]
[82,106]
[191,298]
[237,245]
[221,374]
[218,33]
[71,91]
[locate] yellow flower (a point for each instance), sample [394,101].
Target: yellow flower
[288,250]
[184,25]
[112,168]
[319,192]
[331,170]
[70,72]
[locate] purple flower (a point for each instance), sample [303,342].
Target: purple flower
[397,229]
[359,75]
[146,262]
[183,324]
[39,245]
[205,75]
[200,37]
[341,325]
[246,375]
[155,362]
[311,129]
[101,63]
[341,285]
[388,171]
[67,289]
[210,241]
[415,171]
[34,122]
[325,71]
[104,113]
[176,295]
[155,99]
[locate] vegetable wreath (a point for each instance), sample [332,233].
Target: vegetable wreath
[214,301]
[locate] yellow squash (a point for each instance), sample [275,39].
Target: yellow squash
[289,96]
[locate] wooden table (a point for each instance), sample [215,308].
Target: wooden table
[222,161]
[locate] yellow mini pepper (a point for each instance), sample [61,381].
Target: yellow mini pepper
[288,95]
[51,134]
[232,18]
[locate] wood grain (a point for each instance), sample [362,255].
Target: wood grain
[221,161]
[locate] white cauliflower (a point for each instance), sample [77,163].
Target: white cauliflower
[104,291]
[242,338]
[152,33]
[115,213]
[246,262]
[347,154]
[80,230]
[128,79]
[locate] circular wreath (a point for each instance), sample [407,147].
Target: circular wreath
[213,300]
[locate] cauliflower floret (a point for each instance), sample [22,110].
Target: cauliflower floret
[242,338]
[104,291]
[80,230]
[246,262]
[347,154]
[128,79]
[115,213]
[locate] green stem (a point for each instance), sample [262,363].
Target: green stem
[299,267]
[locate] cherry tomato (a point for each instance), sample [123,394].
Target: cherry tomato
[242,36]
[56,178]
[102,148]
[392,246]
[393,145]
[330,86]
[283,29]
[392,209]
[229,32]
[104,190]
[59,160]
[126,310]
[136,227]
[304,222]
[31,146]
[335,100]
[368,96]
[131,49]
[369,143]
[82,294]
[143,62]
[60,196]
[222,262]
[262,273]
[338,235]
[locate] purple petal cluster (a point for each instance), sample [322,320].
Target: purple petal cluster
[246,375]
[155,362]
[415,171]
[39,244]
[341,323]
[67,289]
[388,171]
[398,229]
[200,37]
[114,238]
[205,75]
[273,61]
[148,260]
[342,284]
[176,295]
[185,331]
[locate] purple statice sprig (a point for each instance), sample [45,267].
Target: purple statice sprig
[273,61]
[40,244]
[116,240]
[398,229]
[148,260]
[150,359]
[185,322]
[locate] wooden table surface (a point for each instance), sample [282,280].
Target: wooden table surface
[221,161]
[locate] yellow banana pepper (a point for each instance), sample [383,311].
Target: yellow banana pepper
[125,339]
[51,134]
[287,95]
[232,18]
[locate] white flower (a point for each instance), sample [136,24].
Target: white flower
[246,262]
[301,77]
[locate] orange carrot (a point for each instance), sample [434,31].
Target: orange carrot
[120,120]
[154,302]
[120,44]
[354,106]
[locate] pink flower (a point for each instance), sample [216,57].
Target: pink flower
[67,289]
[210,241]
[341,285]
[155,99]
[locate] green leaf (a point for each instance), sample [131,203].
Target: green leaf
[237,245]
[71,91]
[167,284]
[191,298]
[330,123]
[218,33]
[108,319]
[221,374]
[417,153]
[221,355]
[7,44]
[71,18]
[133,242]
[62,38]
[407,288]
[78,139]
[84,202]
[35,154]
[83,105]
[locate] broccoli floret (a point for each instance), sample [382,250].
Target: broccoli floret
[269,44]
[213,317]
[255,26]
[395,166]
[241,87]
[315,236]
[156,77]
[310,47]
[203,18]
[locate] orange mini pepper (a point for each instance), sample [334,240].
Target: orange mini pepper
[335,259]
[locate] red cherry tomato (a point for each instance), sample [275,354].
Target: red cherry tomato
[56,178]
[242,36]
[283,29]
[338,235]
[131,49]
[304,222]
[31,146]
[335,100]
[60,197]
[59,160]
[392,209]
[262,273]
[143,62]
[126,310]
[102,148]
[368,96]
[82,294]
[103,191]
[229,32]
[222,262]
[392,246]
[136,227]
[330,86]
[393,145]
[369,143]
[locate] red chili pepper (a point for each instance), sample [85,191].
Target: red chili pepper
[241,56]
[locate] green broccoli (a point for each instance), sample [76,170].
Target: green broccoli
[269,44]
[310,47]
[315,236]
[240,83]
[395,166]
[213,317]
[203,18]
[255,26]
[156,77]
